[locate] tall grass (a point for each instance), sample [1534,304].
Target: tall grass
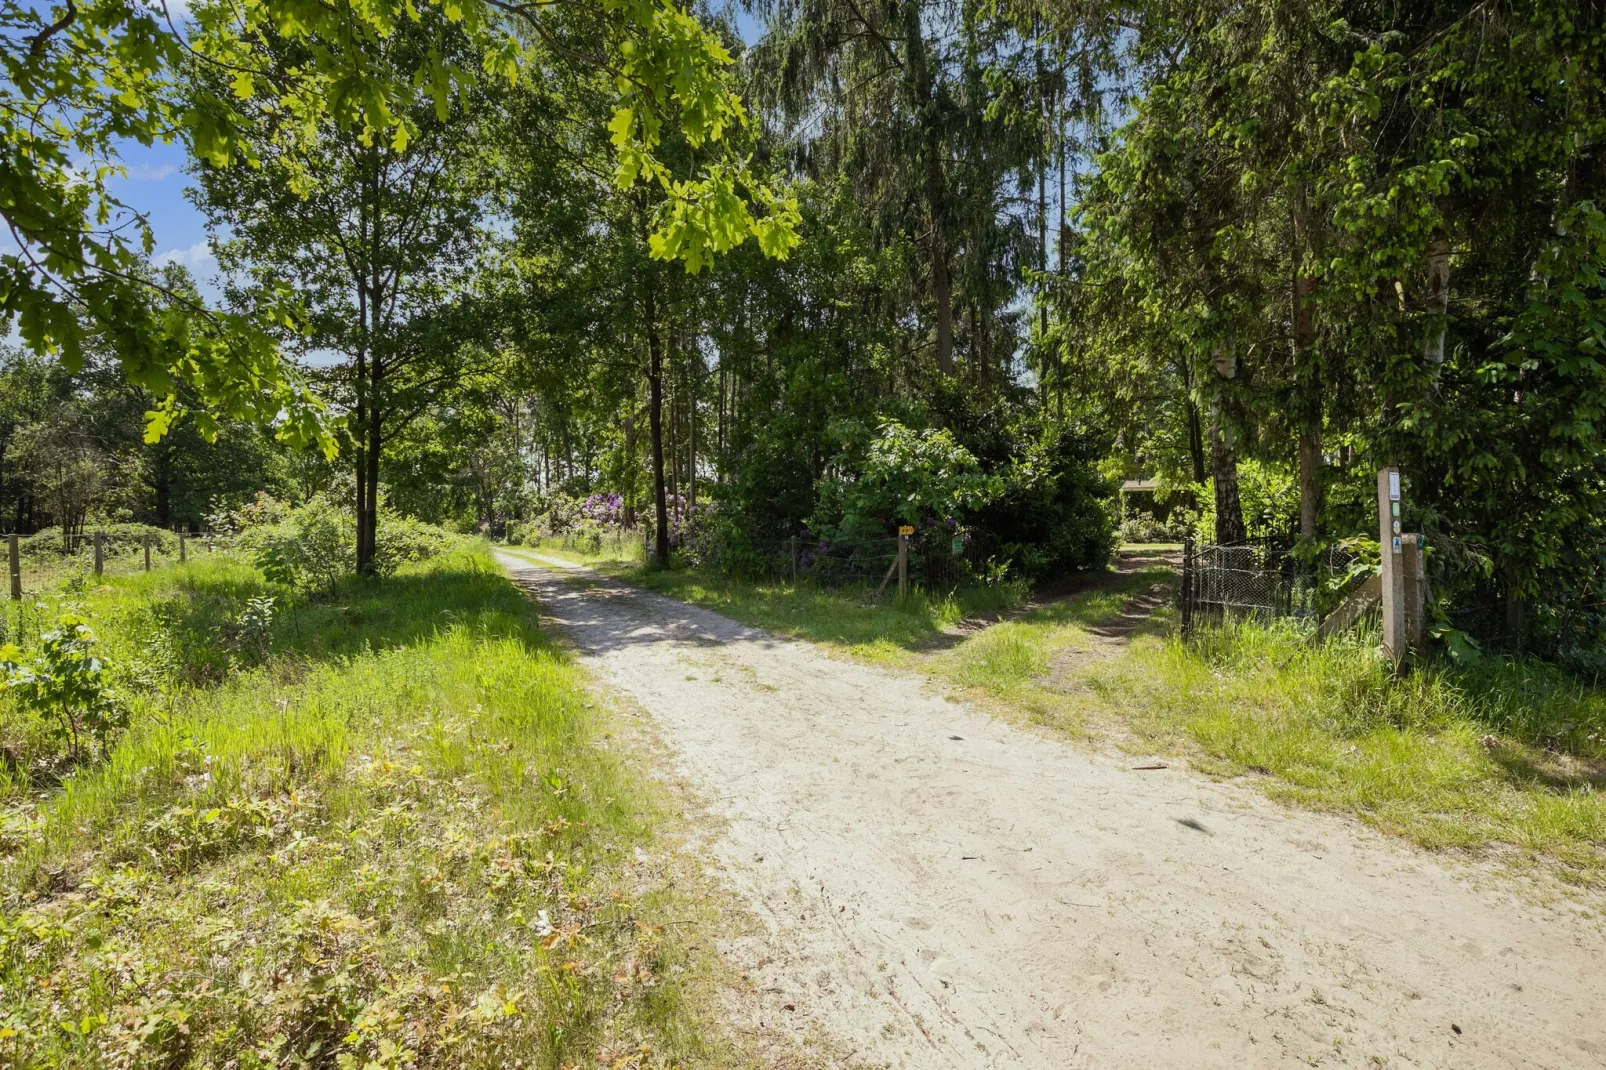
[1501,752]
[405,839]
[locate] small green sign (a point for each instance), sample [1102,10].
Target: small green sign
[959,545]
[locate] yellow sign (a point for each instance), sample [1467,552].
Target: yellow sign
[905,529]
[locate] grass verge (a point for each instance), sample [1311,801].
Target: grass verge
[405,837]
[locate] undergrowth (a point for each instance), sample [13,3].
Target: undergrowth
[398,835]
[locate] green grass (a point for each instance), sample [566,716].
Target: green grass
[407,838]
[1499,753]
[857,619]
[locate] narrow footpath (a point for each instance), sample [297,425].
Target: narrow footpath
[939,889]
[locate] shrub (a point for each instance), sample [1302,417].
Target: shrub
[1049,513]
[308,549]
[899,476]
[66,684]
[400,540]
[116,539]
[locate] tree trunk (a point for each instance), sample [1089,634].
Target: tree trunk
[1306,371]
[370,521]
[1224,467]
[942,293]
[1196,450]
[655,412]
[1438,300]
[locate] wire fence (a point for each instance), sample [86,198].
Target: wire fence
[37,564]
[933,560]
[1266,579]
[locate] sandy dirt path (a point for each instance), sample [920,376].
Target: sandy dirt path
[939,889]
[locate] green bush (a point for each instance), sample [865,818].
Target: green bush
[116,540]
[1049,512]
[66,685]
[898,476]
[403,539]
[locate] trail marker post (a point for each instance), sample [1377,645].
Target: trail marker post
[1391,543]
[794,560]
[100,553]
[146,539]
[903,559]
[182,554]
[14,566]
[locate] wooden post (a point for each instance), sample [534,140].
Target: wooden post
[1391,545]
[146,541]
[1413,570]
[14,566]
[1187,586]
[100,553]
[794,560]
[903,566]
[182,554]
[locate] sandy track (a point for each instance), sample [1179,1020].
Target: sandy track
[943,890]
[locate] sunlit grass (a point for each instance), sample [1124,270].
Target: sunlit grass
[1500,753]
[858,619]
[407,837]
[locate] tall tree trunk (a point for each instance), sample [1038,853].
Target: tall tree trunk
[370,521]
[655,420]
[630,464]
[942,293]
[1196,450]
[360,505]
[691,439]
[1438,300]
[1306,370]
[921,86]
[1224,467]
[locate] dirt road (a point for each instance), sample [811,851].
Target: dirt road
[943,890]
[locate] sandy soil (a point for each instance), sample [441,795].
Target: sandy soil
[939,889]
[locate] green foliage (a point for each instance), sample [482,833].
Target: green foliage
[898,476]
[66,682]
[404,842]
[1048,515]
[310,549]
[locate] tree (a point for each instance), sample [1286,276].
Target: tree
[86,76]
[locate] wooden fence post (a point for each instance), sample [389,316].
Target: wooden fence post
[146,540]
[1391,546]
[100,552]
[182,553]
[903,566]
[1187,586]
[1413,572]
[794,560]
[14,566]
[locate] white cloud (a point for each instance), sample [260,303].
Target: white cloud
[147,173]
[195,257]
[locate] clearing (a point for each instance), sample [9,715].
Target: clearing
[940,889]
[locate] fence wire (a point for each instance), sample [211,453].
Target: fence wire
[40,565]
[1264,578]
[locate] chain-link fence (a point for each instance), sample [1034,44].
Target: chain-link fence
[38,563]
[1264,578]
